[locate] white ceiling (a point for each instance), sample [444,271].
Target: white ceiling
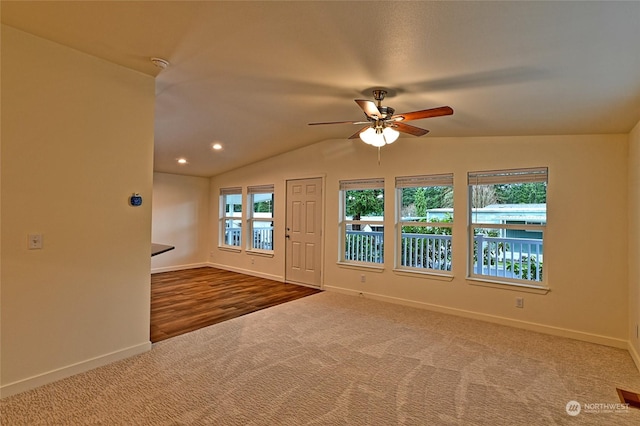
[251,75]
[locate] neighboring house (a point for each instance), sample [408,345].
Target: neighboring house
[503,214]
[500,213]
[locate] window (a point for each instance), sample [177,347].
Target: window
[231,217]
[260,219]
[508,217]
[362,221]
[424,222]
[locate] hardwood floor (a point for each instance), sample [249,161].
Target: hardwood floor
[183,301]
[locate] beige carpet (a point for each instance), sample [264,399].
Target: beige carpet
[330,359]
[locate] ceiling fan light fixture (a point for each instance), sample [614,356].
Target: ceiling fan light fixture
[390,135]
[371,137]
[379,137]
[384,125]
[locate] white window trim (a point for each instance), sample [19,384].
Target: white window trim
[223,217]
[251,220]
[358,185]
[422,181]
[507,176]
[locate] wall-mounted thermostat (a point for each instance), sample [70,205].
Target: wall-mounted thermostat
[135,200]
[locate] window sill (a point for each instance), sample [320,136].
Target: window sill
[527,288]
[260,253]
[361,266]
[230,249]
[426,274]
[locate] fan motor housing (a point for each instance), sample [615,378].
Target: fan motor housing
[386,111]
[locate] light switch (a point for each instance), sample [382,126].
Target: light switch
[35,241]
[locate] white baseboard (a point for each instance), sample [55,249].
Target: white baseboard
[247,272]
[71,370]
[179,267]
[634,355]
[540,328]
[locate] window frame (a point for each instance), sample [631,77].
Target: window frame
[422,181]
[251,220]
[506,176]
[225,217]
[344,222]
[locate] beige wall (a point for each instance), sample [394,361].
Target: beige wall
[77,141]
[181,219]
[585,244]
[634,243]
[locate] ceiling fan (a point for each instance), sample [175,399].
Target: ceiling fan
[382,125]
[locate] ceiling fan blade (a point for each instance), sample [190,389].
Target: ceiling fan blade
[425,113]
[357,134]
[412,130]
[369,108]
[339,122]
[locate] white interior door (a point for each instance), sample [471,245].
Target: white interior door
[304,232]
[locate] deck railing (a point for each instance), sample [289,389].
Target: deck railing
[262,238]
[519,258]
[430,251]
[232,236]
[363,246]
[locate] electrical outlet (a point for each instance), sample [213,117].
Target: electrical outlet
[34,241]
[637,331]
[519,302]
[363,278]
[253,261]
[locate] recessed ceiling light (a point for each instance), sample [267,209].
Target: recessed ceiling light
[182,161]
[217,146]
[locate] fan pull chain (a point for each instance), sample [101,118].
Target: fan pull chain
[378,156]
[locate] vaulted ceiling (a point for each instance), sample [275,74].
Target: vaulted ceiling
[251,75]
